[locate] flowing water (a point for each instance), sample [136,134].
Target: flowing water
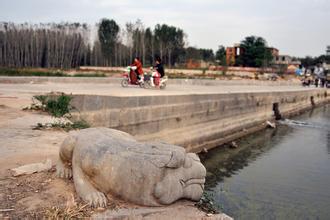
[281,173]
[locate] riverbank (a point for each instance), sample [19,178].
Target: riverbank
[179,108]
[43,195]
[196,114]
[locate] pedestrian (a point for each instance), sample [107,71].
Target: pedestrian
[322,76]
[316,76]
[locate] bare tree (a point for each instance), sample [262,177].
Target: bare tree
[69,45]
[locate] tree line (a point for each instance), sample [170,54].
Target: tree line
[70,45]
[42,45]
[310,61]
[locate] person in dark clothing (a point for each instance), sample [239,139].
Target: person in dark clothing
[159,67]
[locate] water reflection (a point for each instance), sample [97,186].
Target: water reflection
[311,112]
[275,174]
[224,161]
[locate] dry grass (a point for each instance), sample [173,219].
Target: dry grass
[72,210]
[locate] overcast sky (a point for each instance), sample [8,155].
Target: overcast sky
[295,27]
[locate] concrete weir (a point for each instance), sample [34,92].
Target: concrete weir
[195,120]
[195,114]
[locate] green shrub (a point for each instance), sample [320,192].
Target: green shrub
[57,106]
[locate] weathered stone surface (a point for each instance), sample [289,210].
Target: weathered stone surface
[204,118]
[32,168]
[110,161]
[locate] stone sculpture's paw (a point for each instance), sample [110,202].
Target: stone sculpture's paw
[63,172]
[96,199]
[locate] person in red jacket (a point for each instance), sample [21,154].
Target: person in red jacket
[139,71]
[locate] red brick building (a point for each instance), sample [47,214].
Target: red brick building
[232,53]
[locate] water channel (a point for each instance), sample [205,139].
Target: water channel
[281,173]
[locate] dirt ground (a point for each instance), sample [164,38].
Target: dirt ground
[43,195]
[30,195]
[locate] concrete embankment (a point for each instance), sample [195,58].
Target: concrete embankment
[196,114]
[195,121]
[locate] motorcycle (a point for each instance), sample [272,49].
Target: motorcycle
[130,78]
[154,80]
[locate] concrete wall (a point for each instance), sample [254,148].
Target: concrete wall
[192,121]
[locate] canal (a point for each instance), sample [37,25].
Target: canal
[281,173]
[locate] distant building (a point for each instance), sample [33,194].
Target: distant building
[232,53]
[285,60]
[328,51]
[282,59]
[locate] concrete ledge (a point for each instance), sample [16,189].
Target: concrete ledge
[195,121]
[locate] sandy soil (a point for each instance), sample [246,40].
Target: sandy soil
[26,195]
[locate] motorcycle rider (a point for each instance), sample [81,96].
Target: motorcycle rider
[158,73]
[159,67]
[138,64]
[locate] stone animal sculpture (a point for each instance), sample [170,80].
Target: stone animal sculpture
[103,160]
